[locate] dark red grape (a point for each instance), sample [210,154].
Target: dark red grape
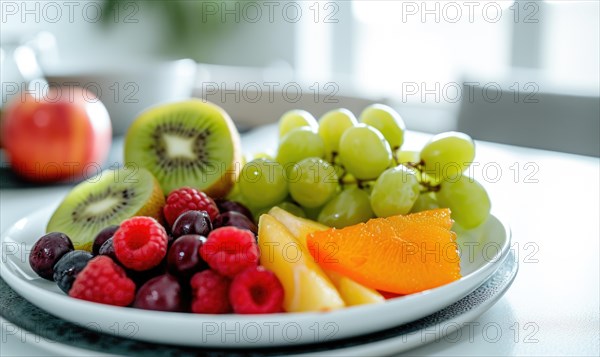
[68,266]
[235,219]
[233,206]
[161,293]
[47,251]
[102,237]
[141,277]
[183,258]
[192,222]
[108,249]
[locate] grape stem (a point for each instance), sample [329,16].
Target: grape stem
[360,184]
[334,154]
[363,184]
[428,186]
[416,165]
[395,155]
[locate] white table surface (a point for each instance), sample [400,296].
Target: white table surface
[553,307]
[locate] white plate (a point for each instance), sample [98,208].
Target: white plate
[482,253]
[62,338]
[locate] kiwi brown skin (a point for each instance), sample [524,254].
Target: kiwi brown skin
[154,207]
[224,185]
[140,154]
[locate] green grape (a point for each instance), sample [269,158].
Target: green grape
[447,155]
[257,212]
[387,121]
[408,159]
[312,213]
[426,179]
[234,194]
[364,152]
[312,182]
[298,144]
[405,157]
[351,206]
[262,182]
[467,199]
[395,192]
[292,208]
[425,202]
[331,127]
[477,234]
[263,155]
[296,119]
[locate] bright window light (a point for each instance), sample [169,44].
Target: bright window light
[400,42]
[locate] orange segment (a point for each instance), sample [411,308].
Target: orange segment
[401,255]
[438,217]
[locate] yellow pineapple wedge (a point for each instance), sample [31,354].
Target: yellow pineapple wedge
[351,292]
[298,226]
[306,287]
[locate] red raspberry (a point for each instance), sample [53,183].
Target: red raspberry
[210,293]
[103,281]
[256,291]
[188,199]
[140,243]
[230,250]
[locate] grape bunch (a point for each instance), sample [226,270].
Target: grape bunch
[341,171]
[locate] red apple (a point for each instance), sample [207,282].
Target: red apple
[63,136]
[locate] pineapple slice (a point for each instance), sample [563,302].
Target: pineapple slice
[351,292]
[306,287]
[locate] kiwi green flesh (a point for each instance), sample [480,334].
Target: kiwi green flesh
[99,202]
[181,145]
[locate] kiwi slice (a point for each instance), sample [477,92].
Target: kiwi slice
[107,199]
[191,143]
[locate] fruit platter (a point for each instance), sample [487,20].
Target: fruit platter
[335,232]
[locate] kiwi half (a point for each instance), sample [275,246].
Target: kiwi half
[107,199]
[191,143]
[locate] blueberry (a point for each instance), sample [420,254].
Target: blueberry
[47,251]
[67,268]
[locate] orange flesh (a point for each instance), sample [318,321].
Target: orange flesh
[438,217]
[400,254]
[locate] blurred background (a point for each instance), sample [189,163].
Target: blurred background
[517,72]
